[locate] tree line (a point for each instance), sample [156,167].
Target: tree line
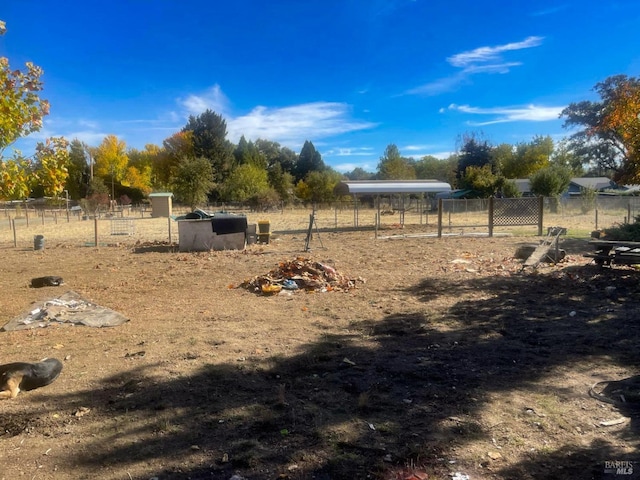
[199,163]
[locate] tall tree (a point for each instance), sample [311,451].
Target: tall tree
[52,160]
[21,113]
[276,154]
[528,158]
[22,110]
[481,180]
[432,168]
[282,182]
[359,173]
[610,135]
[319,185]
[550,182]
[475,152]
[209,132]
[16,178]
[111,159]
[563,156]
[246,181]
[393,166]
[309,160]
[78,179]
[174,148]
[193,181]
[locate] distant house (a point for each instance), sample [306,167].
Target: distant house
[577,185]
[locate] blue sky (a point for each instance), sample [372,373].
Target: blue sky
[351,76]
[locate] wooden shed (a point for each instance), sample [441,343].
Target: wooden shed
[161,204]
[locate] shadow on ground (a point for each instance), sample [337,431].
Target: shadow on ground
[397,392]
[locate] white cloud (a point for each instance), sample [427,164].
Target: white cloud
[413,148]
[529,113]
[439,86]
[489,54]
[292,125]
[350,152]
[473,62]
[213,99]
[549,11]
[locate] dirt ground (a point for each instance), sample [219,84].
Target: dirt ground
[447,359]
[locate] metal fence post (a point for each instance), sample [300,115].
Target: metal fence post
[491,207]
[439,218]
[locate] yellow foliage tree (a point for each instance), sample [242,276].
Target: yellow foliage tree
[52,162]
[111,159]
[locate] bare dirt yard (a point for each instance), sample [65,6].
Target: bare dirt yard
[446,360]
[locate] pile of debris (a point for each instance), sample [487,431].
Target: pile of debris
[300,274]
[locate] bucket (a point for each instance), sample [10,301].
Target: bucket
[38,242]
[263,231]
[264,226]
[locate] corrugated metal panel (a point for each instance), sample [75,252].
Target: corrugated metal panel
[391,186]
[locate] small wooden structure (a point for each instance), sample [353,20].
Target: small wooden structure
[542,251]
[161,204]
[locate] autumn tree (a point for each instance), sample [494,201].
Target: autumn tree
[21,109]
[111,160]
[610,128]
[51,165]
[16,178]
[139,172]
[21,113]
[174,148]
[393,166]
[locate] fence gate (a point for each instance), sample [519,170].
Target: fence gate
[507,212]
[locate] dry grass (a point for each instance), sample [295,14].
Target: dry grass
[449,358]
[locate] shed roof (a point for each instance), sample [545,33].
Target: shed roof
[161,194]
[356,187]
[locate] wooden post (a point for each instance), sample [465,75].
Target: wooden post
[376,225]
[15,240]
[540,214]
[169,223]
[95,231]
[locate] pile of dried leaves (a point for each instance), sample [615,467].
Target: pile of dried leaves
[301,274]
